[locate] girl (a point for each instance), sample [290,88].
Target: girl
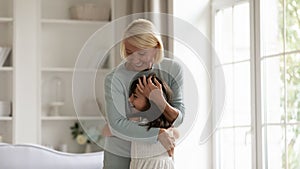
[145,155]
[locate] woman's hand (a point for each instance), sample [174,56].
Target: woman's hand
[153,91]
[167,140]
[146,86]
[106,131]
[174,132]
[155,94]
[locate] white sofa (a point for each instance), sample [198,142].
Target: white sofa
[29,156]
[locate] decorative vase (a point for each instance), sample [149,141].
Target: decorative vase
[57,96]
[88,148]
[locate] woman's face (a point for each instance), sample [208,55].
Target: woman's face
[138,101]
[139,59]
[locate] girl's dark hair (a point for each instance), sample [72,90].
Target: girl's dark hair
[161,121]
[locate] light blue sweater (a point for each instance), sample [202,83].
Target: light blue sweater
[117,84]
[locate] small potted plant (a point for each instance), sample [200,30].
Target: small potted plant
[85,137]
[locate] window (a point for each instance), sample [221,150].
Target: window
[259,54]
[280,74]
[232,42]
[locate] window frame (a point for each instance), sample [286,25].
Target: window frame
[255,76]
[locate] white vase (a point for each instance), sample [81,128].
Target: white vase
[88,148]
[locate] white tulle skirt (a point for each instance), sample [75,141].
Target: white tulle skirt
[149,156]
[152,163]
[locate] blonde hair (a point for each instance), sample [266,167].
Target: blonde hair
[141,34]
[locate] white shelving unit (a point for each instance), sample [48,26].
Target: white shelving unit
[45,43]
[61,40]
[6,71]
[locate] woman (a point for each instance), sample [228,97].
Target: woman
[142,50]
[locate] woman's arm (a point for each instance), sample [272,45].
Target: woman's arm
[176,84]
[116,114]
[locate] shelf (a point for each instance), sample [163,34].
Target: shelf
[71,70]
[75,22]
[62,40]
[58,69]
[6,118]
[6,69]
[7,76]
[58,118]
[5,20]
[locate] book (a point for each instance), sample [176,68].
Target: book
[4,53]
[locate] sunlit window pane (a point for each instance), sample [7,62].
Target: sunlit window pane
[293,25]
[224,35]
[293,146]
[235,146]
[271,33]
[228,111]
[273,147]
[242,94]
[272,90]
[237,109]
[293,87]
[242,148]
[241,32]
[225,146]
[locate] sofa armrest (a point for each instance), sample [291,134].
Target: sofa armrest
[30,156]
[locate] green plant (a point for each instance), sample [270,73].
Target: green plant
[92,134]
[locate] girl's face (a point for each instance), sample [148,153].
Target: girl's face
[139,59]
[138,101]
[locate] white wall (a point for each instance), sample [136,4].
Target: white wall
[197,12]
[189,153]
